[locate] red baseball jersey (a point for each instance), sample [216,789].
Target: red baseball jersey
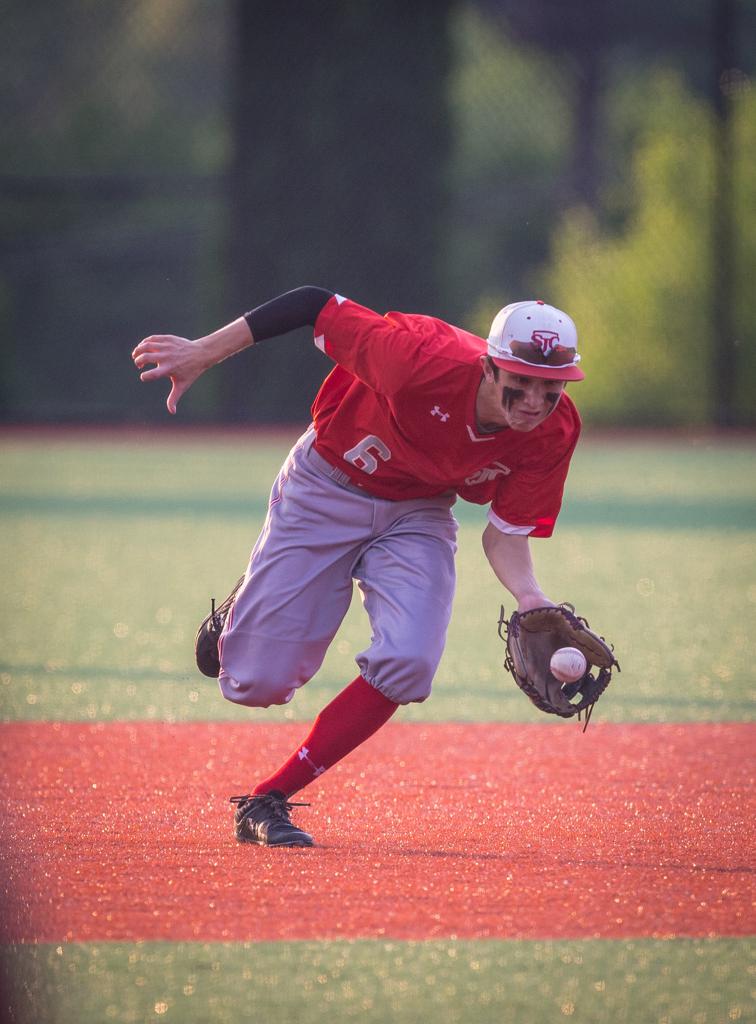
[397,415]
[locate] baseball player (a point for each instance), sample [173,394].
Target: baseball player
[414,413]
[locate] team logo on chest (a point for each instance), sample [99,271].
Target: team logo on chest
[488,473]
[437,411]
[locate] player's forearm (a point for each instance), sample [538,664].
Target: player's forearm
[509,557]
[224,342]
[287,312]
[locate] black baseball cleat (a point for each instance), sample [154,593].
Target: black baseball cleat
[264,819]
[206,642]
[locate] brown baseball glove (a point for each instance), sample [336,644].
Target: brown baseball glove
[531,639]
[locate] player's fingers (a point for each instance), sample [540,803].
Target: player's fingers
[143,359]
[145,345]
[160,359]
[155,347]
[155,374]
[153,343]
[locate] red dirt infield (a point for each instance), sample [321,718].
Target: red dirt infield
[123,832]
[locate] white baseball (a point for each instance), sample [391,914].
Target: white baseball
[568,664]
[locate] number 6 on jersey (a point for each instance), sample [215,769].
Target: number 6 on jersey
[362,455]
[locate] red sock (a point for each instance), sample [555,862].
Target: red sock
[351,718]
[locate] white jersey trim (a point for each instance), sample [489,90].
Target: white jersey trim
[320,338]
[471,432]
[505,527]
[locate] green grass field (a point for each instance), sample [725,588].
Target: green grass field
[591,982]
[116,548]
[113,549]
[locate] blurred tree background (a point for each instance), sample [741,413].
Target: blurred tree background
[169,164]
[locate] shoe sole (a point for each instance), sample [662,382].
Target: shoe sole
[259,842]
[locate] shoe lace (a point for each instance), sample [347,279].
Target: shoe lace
[279,807]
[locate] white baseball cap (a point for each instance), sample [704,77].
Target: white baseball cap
[535,340]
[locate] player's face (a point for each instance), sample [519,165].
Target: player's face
[519,402]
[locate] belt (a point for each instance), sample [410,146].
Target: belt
[336,474]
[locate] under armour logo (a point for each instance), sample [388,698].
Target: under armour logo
[304,755]
[443,416]
[546,341]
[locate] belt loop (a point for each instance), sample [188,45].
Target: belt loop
[325,467]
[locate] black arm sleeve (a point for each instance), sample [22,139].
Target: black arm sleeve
[287,312]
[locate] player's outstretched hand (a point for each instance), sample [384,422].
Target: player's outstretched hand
[179,359]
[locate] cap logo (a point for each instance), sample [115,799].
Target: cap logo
[544,350]
[546,341]
[538,336]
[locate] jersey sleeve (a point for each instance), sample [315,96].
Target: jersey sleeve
[374,348]
[529,500]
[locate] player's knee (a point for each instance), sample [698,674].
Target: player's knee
[256,692]
[258,672]
[403,679]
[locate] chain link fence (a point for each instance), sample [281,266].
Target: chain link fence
[111,194]
[170,163]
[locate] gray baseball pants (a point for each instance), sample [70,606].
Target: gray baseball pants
[321,533]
